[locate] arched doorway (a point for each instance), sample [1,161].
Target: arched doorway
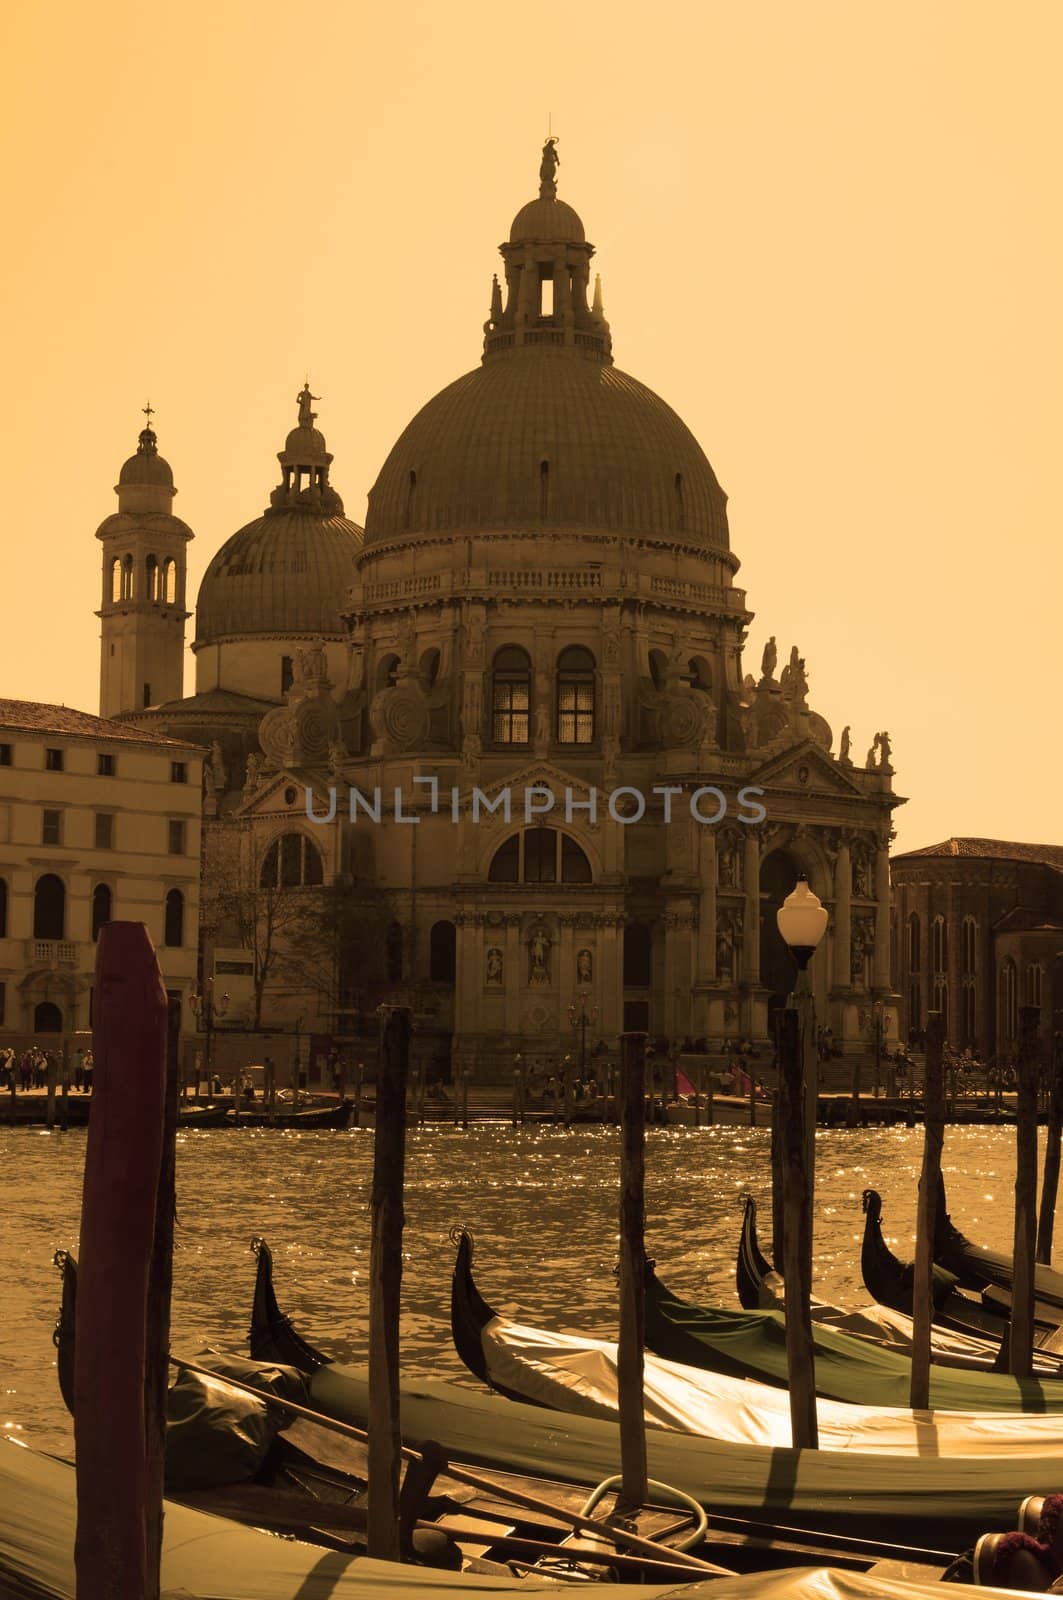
[778,970]
[47,1018]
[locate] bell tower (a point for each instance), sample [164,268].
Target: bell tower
[142,613]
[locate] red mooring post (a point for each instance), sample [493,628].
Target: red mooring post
[119,1473]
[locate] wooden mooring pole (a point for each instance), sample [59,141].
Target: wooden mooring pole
[118,1345]
[629,1355]
[926,1213]
[385,1284]
[1046,1219]
[1020,1348]
[797,1233]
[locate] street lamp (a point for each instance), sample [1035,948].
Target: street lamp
[802,922]
[205,1008]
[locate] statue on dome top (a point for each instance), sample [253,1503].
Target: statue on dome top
[304,399]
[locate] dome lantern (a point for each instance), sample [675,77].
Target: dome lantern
[547,261]
[305,461]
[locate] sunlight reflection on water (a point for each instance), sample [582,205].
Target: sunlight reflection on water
[542,1204]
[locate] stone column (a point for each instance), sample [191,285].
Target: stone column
[566,974]
[751,917]
[610,976]
[706,959]
[512,974]
[466,1010]
[881,966]
[843,916]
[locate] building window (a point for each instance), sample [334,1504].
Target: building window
[388,671]
[442,953]
[5,755]
[1009,1001]
[151,578]
[53,760]
[49,907]
[914,941]
[575,696]
[127,578]
[174,931]
[178,772]
[292,862]
[147,695]
[51,827]
[970,947]
[939,945]
[104,766]
[539,855]
[393,952]
[169,581]
[101,908]
[116,580]
[1034,974]
[3,908]
[915,1008]
[287,674]
[700,674]
[510,695]
[638,950]
[177,837]
[104,830]
[967,1017]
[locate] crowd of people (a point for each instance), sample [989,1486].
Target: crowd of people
[35,1068]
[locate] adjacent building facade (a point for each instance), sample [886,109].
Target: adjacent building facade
[518,703]
[977,934]
[98,821]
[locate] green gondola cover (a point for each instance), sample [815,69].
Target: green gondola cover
[752,1344]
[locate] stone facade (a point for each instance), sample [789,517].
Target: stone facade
[978,933]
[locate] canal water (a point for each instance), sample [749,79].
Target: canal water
[541,1203]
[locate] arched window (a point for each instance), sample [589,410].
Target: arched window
[116,579]
[3,908]
[393,952]
[387,672]
[127,578]
[430,668]
[174,929]
[1009,1000]
[101,908]
[970,947]
[169,581]
[1034,975]
[442,952]
[967,1017]
[293,861]
[539,855]
[151,578]
[915,952]
[638,948]
[49,907]
[575,696]
[510,695]
[939,945]
[915,1005]
[658,668]
[700,674]
[47,1018]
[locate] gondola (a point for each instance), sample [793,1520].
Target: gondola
[760,1288]
[889,1281]
[317,1117]
[992,1272]
[780,1506]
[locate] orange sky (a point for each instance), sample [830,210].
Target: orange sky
[829,235]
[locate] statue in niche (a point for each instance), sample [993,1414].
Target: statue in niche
[862,877]
[542,724]
[584,966]
[494,965]
[729,865]
[769,660]
[725,950]
[538,956]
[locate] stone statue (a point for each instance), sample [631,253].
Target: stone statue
[538,956]
[873,752]
[253,773]
[769,660]
[843,752]
[303,400]
[216,763]
[725,950]
[470,749]
[885,751]
[708,725]
[584,966]
[337,757]
[494,965]
[542,724]
[729,866]
[798,681]
[549,164]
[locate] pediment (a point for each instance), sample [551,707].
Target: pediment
[269,799]
[806,768]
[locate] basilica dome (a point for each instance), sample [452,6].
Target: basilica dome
[547,435]
[287,572]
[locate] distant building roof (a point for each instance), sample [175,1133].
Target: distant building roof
[1044,855]
[33,716]
[1020,920]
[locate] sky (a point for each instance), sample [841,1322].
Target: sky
[829,236]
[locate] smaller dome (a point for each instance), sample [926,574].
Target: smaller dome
[147,466]
[547,219]
[305,445]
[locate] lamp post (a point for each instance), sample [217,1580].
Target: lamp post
[205,1008]
[579,1016]
[802,922]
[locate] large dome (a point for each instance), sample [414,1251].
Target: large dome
[286,573]
[545,439]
